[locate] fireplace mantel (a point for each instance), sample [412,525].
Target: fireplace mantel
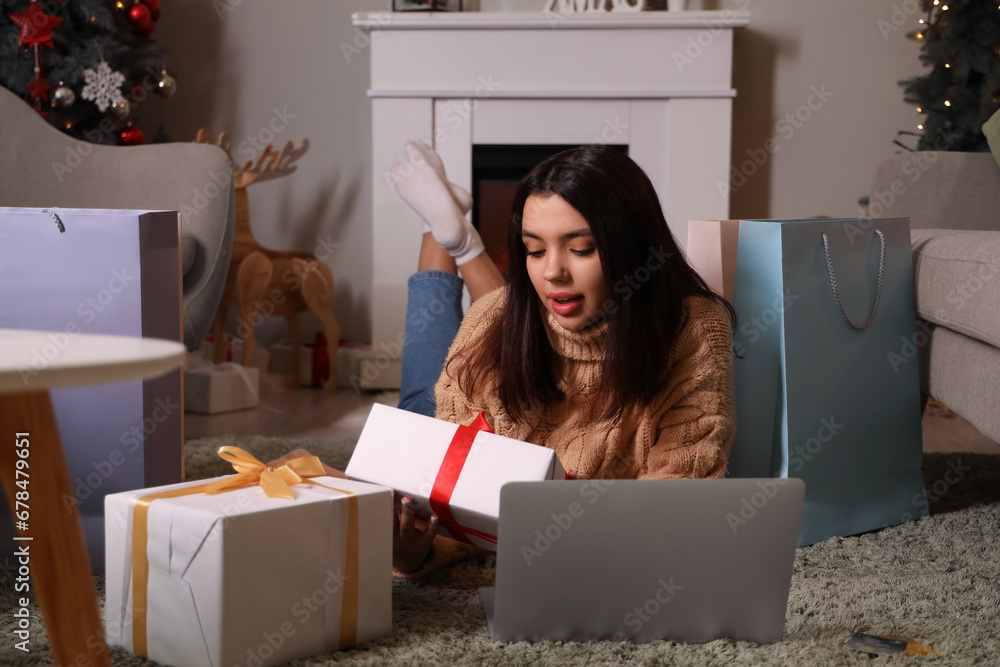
[658,82]
[547,20]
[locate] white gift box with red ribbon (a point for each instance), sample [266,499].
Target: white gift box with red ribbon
[313,361]
[447,469]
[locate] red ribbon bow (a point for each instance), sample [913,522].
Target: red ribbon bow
[447,477]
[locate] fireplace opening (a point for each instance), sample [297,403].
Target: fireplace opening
[496,172]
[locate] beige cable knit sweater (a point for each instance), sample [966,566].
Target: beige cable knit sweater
[686,432]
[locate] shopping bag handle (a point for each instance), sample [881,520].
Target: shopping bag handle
[878,289]
[55,218]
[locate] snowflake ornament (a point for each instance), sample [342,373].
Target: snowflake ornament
[102,86]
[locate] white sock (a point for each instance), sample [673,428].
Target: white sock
[460,194]
[461,197]
[420,186]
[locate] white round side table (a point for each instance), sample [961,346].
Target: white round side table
[32,362]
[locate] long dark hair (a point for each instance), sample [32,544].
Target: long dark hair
[644,314]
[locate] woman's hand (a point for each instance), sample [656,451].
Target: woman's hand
[331,472]
[411,537]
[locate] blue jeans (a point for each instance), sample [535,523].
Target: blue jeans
[433,315]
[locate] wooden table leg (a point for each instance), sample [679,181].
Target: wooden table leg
[60,570]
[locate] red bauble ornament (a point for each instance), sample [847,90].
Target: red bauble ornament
[131,136]
[139,15]
[36,25]
[141,19]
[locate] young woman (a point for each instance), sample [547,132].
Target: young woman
[604,344]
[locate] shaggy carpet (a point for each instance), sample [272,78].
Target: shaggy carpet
[936,580]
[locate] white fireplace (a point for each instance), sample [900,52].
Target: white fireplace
[658,83]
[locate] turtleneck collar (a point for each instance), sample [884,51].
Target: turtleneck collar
[584,345]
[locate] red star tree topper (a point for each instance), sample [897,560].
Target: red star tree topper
[36,25]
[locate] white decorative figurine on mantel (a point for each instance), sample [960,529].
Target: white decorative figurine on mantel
[577,6]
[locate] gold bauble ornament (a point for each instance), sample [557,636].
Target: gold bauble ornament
[121,109]
[167,85]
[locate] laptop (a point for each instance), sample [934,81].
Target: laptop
[689,560]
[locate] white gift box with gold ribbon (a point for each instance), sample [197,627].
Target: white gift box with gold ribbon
[239,578]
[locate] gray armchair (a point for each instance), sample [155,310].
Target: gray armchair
[46,168]
[953,202]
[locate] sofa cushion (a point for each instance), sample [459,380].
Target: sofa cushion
[957,280]
[961,373]
[938,189]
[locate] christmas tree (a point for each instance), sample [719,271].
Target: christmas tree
[84,65]
[961,45]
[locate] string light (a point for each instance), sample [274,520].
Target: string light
[937,2]
[921,21]
[947,65]
[919,110]
[920,127]
[944,8]
[947,103]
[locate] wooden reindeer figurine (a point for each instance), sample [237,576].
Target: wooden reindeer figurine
[264,282]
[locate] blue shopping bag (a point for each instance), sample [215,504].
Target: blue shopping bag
[825,309]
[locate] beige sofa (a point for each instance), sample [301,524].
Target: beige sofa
[953,202]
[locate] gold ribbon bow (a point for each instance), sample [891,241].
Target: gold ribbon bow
[276,482]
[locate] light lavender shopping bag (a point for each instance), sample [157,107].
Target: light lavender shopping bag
[72,271]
